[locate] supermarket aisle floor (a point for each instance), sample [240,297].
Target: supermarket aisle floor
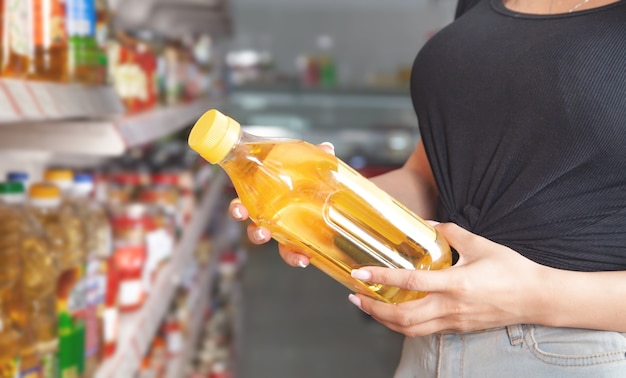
[299,323]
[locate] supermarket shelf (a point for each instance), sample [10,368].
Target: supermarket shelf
[74,137]
[256,97]
[145,127]
[198,301]
[82,120]
[23,100]
[136,330]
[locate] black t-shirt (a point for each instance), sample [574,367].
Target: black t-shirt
[524,122]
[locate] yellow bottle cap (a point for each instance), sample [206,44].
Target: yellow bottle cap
[58,175]
[214,135]
[44,191]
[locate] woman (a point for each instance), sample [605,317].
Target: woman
[522,111]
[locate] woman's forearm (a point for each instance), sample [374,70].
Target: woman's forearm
[410,189]
[594,300]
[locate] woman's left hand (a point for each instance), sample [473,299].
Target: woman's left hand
[490,286]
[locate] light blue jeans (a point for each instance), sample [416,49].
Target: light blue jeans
[516,351]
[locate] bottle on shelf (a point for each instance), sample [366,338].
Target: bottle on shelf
[37,286]
[10,271]
[315,203]
[70,232]
[130,231]
[99,248]
[19,176]
[16,39]
[2,36]
[83,48]
[103,18]
[35,40]
[50,41]
[110,314]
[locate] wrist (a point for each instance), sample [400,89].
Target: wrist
[538,308]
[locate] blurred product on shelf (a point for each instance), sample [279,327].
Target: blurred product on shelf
[110,313]
[38,280]
[83,52]
[85,246]
[318,69]
[74,44]
[12,336]
[212,351]
[98,245]
[19,176]
[130,261]
[215,355]
[3,40]
[163,198]
[250,67]
[34,40]
[60,218]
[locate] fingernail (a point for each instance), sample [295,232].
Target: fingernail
[259,235]
[361,274]
[328,144]
[237,213]
[432,222]
[301,264]
[355,300]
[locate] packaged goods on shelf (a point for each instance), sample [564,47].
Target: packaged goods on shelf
[28,318]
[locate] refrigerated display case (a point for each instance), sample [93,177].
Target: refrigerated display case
[372,129]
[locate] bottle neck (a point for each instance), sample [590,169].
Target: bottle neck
[243,149]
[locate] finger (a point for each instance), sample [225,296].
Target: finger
[258,235]
[293,258]
[413,280]
[458,237]
[237,210]
[411,318]
[328,147]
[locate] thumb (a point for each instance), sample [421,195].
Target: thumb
[414,280]
[463,241]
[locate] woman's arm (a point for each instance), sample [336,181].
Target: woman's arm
[595,300]
[413,184]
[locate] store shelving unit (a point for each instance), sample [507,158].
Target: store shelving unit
[137,329]
[196,305]
[41,121]
[82,120]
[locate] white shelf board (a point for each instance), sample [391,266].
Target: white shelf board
[25,100]
[136,330]
[69,137]
[145,127]
[101,136]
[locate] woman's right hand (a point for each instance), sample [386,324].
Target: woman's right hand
[261,235]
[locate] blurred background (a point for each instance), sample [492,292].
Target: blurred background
[97,98]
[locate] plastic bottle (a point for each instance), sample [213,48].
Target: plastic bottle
[19,176]
[49,41]
[99,249]
[2,36]
[102,35]
[37,297]
[64,224]
[17,39]
[110,316]
[83,48]
[10,270]
[317,204]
